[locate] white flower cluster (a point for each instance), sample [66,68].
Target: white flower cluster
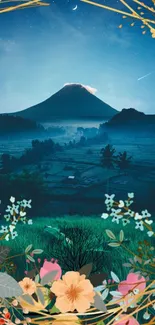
[120,211]
[15,214]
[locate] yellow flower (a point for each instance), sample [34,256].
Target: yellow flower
[152,30]
[28,286]
[73,292]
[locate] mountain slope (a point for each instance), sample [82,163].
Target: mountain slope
[72,101]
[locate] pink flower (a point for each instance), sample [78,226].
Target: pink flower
[49,267]
[134,283]
[27,261]
[126,321]
[39,260]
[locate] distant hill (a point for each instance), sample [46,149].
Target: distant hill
[131,117]
[130,120]
[71,102]
[15,124]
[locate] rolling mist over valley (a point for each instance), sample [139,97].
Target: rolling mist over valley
[77,153]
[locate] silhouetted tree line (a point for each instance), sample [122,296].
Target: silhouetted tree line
[85,142]
[12,124]
[56,130]
[27,185]
[32,155]
[109,159]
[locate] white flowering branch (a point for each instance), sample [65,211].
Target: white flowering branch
[15,213]
[121,212]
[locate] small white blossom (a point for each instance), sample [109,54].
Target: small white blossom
[104,215]
[12,199]
[109,199]
[125,221]
[145,214]
[15,221]
[139,225]
[14,234]
[149,222]
[22,213]
[3,229]
[130,195]
[131,213]
[30,222]
[136,291]
[7,217]
[101,287]
[13,209]
[7,237]
[23,219]
[115,211]
[146,315]
[116,219]
[137,216]
[150,233]
[26,204]
[11,227]
[128,203]
[121,204]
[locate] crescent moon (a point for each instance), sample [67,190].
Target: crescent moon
[74,8]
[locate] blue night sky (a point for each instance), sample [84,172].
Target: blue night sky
[43,48]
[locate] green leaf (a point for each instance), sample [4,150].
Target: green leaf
[28,248]
[114,244]
[30,258]
[31,273]
[121,236]
[110,234]
[115,277]
[97,279]
[99,304]
[54,232]
[28,299]
[37,278]
[4,251]
[37,251]
[48,278]
[9,287]
[100,322]
[40,296]
[86,269]
[54,310]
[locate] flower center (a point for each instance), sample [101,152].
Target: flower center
[27,286]
[73,293]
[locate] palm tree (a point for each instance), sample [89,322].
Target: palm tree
[123,160]
[107,156]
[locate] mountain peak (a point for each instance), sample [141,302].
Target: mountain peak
[79,86]
[73,101]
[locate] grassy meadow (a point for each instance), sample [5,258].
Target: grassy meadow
[90,244]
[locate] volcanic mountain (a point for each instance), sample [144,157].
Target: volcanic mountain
[73,101]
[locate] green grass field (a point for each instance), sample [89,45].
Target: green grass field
[90,244]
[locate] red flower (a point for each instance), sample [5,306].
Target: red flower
[7,315]
[2,321]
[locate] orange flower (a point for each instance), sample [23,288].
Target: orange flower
[73,292]
[28,286]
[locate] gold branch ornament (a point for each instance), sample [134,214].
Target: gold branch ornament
[6,5]
[142,14]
